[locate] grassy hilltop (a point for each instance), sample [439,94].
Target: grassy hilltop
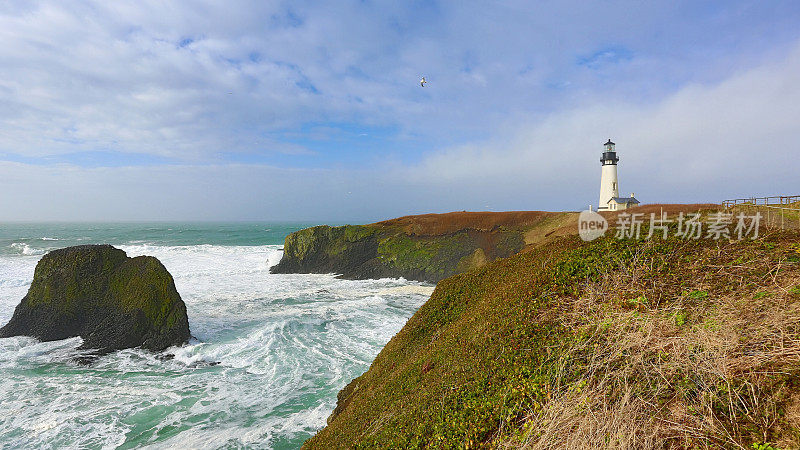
[608,344]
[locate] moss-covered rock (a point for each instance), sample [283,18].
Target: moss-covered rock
[99,293]
[323,249]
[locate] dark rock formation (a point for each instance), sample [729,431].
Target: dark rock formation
[99,293]
[325,249]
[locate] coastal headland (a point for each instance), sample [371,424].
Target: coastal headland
[623,343]
[432,247]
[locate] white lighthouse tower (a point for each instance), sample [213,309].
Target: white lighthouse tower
[609,184]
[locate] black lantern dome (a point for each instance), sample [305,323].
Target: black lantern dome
[610,154]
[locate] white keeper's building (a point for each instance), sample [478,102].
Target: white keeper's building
[609,183]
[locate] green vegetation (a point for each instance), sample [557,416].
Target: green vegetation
[680,319]
[436,256]
[81,275]
[764,446]
[143,284]
[509,242]
[698,295]
[624,344]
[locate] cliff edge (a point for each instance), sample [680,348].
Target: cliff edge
[662,343]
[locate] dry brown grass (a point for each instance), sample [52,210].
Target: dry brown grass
[551,228]
[447,223]
[555,223]
[714,368]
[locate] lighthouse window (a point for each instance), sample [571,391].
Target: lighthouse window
[613,185]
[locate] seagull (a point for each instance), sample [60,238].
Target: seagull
[422,82]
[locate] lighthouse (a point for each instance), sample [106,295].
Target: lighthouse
[609,184]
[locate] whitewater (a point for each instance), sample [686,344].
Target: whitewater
[269,354]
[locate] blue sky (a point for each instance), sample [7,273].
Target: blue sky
[313,111]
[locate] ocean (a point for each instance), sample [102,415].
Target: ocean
[285,344]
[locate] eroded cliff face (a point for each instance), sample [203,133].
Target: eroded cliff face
[424,248]
[325,249]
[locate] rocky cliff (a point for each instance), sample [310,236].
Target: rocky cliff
[426,248]
[99,293]
[608,344]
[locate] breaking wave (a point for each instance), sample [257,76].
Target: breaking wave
[270,354]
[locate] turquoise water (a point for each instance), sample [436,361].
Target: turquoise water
[39,235]
[285,344]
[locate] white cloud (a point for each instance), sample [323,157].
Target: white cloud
[704,143]
[736,137]
[512,119]
[154,77]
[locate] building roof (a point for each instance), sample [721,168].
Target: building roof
[622,200]
[609,142]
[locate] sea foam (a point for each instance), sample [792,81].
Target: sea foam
[270,354]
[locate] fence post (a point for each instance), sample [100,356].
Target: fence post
[781,213]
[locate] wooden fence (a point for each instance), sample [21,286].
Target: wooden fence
[763,201]
[780,211]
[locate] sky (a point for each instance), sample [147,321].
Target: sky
[313,111]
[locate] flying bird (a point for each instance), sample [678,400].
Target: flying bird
[422,82]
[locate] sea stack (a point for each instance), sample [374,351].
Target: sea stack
[100,294]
